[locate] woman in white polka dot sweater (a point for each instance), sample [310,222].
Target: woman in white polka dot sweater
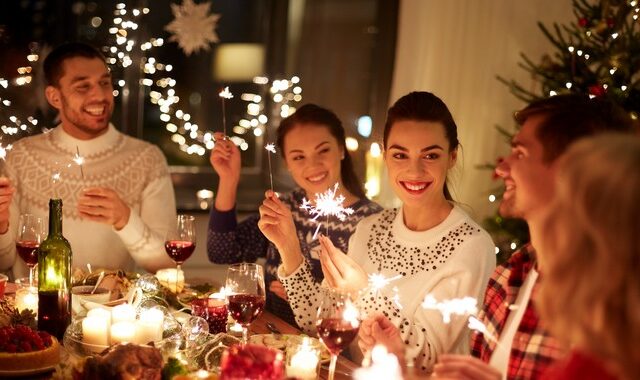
[429,242]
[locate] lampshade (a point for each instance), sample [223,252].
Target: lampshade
[238,62]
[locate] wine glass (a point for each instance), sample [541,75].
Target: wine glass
[181,242]
[245,294]
[30,235]
[338,323]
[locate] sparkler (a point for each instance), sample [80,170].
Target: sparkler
[326,204]
[225,94]
[455,306]
[477,325]
[271,148]
[78,159]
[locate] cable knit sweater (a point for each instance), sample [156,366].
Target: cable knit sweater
[135,169]
[451,260]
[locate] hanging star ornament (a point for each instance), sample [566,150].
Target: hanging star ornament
[193,28]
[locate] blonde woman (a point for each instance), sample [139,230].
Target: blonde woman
[590,256]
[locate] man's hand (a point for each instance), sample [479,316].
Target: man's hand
[377,329]
[464,367]
[6,196]
[340,271]
[103,205]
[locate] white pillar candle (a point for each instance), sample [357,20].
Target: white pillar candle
[100,312]
[95,331]
[150,326]
[27,298]
[123,332]
[123,313]
[303,364]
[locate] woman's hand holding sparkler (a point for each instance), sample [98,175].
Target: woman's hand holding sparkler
[464,367]
[225,160]
[6,195]
[378,329]
[276,223]
[340,271]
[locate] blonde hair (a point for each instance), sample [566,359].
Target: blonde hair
[590,254]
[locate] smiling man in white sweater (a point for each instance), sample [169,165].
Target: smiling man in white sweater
[119,205]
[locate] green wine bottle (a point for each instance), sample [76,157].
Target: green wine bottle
[54,276]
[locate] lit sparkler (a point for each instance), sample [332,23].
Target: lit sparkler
[477,325]
[271,148]
[326,204]
[455,306]
[225,94]
[78,159]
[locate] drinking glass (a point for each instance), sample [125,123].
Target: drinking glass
[337,323]
[30,235]
[181,241]
[245,294]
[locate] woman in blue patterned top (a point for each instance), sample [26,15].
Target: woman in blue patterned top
[312,143]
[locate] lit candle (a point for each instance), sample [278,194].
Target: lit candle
[95,331]
[384,366]
[100,312]
[123,332]
[303,361]
[150,326]
[123,313]
[27,298]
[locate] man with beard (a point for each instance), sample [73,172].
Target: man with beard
[117,194]
[524,348]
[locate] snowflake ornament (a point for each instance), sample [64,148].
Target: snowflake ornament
[193,28]
[326,204]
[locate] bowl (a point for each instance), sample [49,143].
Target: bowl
[83,293]
[3,283]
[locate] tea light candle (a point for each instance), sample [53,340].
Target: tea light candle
[27,298]
[95,330]
[303,364]
[100,312]
[123,332]
[123,313]
[171,278]
[150,326]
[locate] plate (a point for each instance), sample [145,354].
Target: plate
[280,342]
[27,372]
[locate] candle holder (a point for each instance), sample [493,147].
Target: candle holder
[214,311]
[303,358]
[27,298]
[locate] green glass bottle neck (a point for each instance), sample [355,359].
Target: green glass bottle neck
[55,217]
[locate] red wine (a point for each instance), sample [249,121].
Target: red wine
[179,250]
[53,313]
[336,333]
[245,308]
[28,251]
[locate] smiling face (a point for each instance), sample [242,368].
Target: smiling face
[418,159]
[84,97]
[529,181]
[313,157]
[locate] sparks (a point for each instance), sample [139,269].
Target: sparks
[477,325]
[377,281]
[79,160]
[326,204]
[456,306]
[226,94]
[270,147]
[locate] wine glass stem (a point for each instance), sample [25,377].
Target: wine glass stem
[332,366]
[31,270]
[245,334]
[178,267]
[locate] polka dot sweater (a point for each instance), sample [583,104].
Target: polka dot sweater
[231,242]
[451,260]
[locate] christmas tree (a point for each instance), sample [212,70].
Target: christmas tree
[597,54]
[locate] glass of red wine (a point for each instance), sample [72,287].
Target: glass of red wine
[181,241]
[30,234]
[338,323]
[245,294]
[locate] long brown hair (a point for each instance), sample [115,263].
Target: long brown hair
[590,255]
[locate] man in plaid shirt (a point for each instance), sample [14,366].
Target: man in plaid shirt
[516,344]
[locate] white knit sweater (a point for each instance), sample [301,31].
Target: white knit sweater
[135,169]
[451,260]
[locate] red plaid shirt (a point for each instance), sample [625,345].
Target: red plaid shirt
[533,349]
